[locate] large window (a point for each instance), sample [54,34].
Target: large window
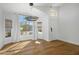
[25,25]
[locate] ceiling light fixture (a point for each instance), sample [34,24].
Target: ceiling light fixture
[31,4]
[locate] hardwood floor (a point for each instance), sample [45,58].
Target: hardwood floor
[32,47]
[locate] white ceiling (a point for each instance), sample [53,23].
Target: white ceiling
[48,4]
[46,7]
[20,8]
[42,4]
[24,8]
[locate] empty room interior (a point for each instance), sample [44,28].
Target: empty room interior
[39,28]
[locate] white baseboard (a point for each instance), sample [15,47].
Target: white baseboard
[72,42]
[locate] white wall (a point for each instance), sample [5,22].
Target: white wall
[1,29]
[69,23]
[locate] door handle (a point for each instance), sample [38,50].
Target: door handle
[51,29]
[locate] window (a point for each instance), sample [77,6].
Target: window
[39,27]
[25,25]
[8,27]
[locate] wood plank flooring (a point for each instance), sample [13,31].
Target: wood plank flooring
[40,47]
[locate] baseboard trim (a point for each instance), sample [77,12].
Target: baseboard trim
[69,42]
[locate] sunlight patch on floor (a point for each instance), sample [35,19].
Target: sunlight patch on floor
[37,42]
[17,46]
